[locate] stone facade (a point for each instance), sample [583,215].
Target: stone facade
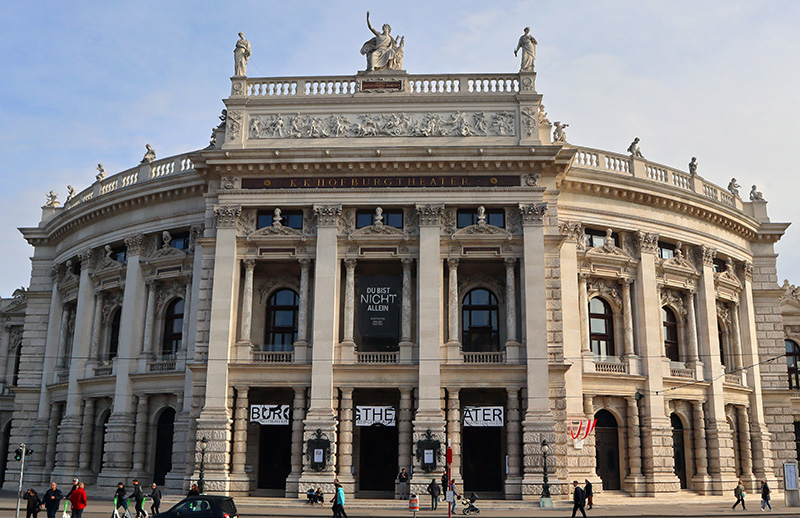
[551,284]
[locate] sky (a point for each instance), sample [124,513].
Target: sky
[92,82]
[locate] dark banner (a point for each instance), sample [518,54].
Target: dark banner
[356,182]
[379,306]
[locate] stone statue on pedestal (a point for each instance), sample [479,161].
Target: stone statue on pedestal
[149,155]
[734,187]
[52,199]
[241,53]
[558,134]
[101,173]
[528,45]
[383,51]
[70,192]
[756,195]
[693,166]
[634,150]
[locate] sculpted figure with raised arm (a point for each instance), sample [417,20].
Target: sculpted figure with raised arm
[528,45]
[383,51]
[240,56]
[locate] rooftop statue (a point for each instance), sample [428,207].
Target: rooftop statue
[543,115]
[383,51]
[693,166]
[734,187]
[149,155]
[558,133]
[52,199]
[756,195]
[528,45]
[634,150]
[241,53]
[101,173]
[70,192]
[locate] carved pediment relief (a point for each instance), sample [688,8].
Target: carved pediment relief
[274,231]
[378,232]
[790,295]
[727,277]
[606,288]
[674,299]
[482,231]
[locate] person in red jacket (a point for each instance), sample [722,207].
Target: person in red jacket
[78,500]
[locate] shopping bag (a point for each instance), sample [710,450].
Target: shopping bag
[65,514]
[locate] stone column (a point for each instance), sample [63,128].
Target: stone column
[634,482]
[66,314]
[52,437]
[701,481]
[405,315]
[737,341]
[247,302]
[583,301]
[513,486]
[346,440]
[627,317]
[512,344]
[691,331]
[302,311]
[149,318]
[87,429]
[404,429]
[747,476]
[240,432]
[454,430]
[140,435]
[452,302]
[349,301]
[97,323]
[298,414]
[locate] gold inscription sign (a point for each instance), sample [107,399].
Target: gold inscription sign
[381,85]
[360,182]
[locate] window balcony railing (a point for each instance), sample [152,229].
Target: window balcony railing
[273,356]
[377,357]
[103,370]
[610,367]
[484,357]
[681,372]
[734,378]
[162,365]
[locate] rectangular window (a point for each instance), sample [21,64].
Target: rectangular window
[467,217]
[290,218]
[119,254]
[666,250]
[391,218]
[180,241]
[594,238]
[719,265]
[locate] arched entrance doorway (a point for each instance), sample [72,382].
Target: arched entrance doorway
[607,449]
[679,449]
[163,458]
[4,443]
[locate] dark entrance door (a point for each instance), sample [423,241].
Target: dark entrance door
[4,444]
[481,458]
[607,449]
[164,432]
[275,456]
[377,458]
[679,451]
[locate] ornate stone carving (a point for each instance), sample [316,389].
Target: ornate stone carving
[733,187]
[678,259]
[327,215]
[378,228]
[383,52]
[149,154]
[543,115]
[169,290]
[559,135]
[527,44]
[430,124]
[530,121]
[247,221]
[573,232]
[747,270]
[51,200]
[648,242]
[530,180]
[166,249]
[674,298]
[134,244]
[608,248]
[228,182]
[481,228]
[513,220]
[634,149]
[347,222]
[723,312]
[282,280]
[729,273]
[430,214]
[195,233]
[449,221]
[532,213]
[234,124]
[467,282]
[708,255]
[276,229]
[604,287]
[755,194]
[86,258]
[410,223]
[111,300]
[70,193]
[241,53]
[227,215]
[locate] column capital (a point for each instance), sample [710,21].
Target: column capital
[747,268]
[430,214]
[532,213]
[134,244]
[572,231]
[510,262]
[452,263]
[85,258]
[327,215]
[347,392]
[350,263]
[305,262]
[648,242]
[626,282]
[242,390]
[407,262]
[249,264]
[708,254]
[227,215]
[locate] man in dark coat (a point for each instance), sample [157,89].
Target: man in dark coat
[155,496]
[51,499]
[138,498]
[578,499]
[433,490]
[587,490]
[74,487]
[402,479]
[119,497]
[34,504]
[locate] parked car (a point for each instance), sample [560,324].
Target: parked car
[203,506]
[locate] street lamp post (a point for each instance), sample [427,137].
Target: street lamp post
[203,445]
[545,485]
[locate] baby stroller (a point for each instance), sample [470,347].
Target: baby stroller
[469,505]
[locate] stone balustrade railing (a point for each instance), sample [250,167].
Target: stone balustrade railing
[484,357]
[610,367]
[440,84]
[626,165]
[377,357]
[273,356]
[144,172]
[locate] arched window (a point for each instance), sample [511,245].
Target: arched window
[173,328]
[601,327]
[480,322]
[670,322]
[113,335]
[792,362]
[281,328]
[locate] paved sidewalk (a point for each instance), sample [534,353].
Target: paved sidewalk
[681,505]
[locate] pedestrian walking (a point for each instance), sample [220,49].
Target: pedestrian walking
[119,497]
[402,483]
[73,488]
[155,496]
[338,500]
[77,497]
[765,496]
[33,503]
[587,491]
[456,496]
[445,484]
[433,490]
[138,499]
[52,498]
[739,494]
[578,499]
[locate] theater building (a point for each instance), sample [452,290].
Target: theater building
[360,270]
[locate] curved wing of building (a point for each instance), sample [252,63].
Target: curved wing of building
[361,270]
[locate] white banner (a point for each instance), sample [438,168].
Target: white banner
[369,415]
[483,416]
[270,414]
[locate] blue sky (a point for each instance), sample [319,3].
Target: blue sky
[87,82]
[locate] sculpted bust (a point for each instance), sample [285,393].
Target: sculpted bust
[528,45]
[383,52]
